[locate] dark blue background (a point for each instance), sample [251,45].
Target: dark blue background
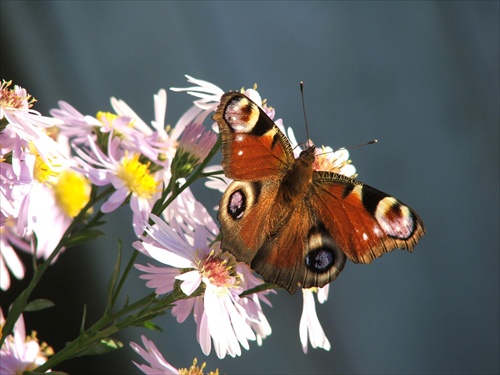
[421,77]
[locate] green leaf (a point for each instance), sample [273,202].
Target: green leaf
[80,238]
[259,288]
[39,304]
[101,347]
[110,298]
[152,326]
[84,318]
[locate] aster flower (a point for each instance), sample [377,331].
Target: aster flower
[252,303]
[194,146]
[134,134]
[38,191]
[158,365]
[58,204]
[208,93]
[28,124]
[190,214]
[128,175]
[211,277]
[9,260]
[21,353]
[75,125]
[334,161]
[310,327]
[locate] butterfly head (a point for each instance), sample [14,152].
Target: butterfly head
[308,154]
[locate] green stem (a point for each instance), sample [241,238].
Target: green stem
[159,208]
[194,176]
[148,307]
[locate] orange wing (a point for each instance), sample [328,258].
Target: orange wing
[364,222]
[253,148]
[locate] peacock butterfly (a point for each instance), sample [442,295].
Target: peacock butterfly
[294,225]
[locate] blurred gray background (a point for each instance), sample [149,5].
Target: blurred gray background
[421,77]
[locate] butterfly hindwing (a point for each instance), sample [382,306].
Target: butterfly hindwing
[244,212]
[301,253]
[287,245]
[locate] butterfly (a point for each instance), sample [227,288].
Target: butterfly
[293,225]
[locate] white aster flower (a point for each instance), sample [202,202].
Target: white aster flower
[334,161]
[310,328]
[208,93]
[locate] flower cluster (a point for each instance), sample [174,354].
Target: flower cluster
[54,171]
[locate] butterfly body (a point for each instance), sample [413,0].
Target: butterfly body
[292,224]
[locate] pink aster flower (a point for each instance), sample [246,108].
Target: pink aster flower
[157,364]
[21,353]
[41,202]
[28,124]
[53,207]
[160,143]
[252,303]
[194,146]
[9,260]
[135,135]
[75,125]
[334,161]
[128,175]
[220,314]
[190,214]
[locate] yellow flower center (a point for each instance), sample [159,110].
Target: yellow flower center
[107,117]
[197,370]
[42,172]
[72,192]
[137,178]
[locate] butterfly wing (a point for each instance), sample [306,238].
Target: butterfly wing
[363,222]
[300,253]
[253,148]
[257,155]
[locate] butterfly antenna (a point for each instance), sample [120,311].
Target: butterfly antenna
[304,110]
[361,144]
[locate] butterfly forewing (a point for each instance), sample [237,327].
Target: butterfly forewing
[364,221]
[253,148]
